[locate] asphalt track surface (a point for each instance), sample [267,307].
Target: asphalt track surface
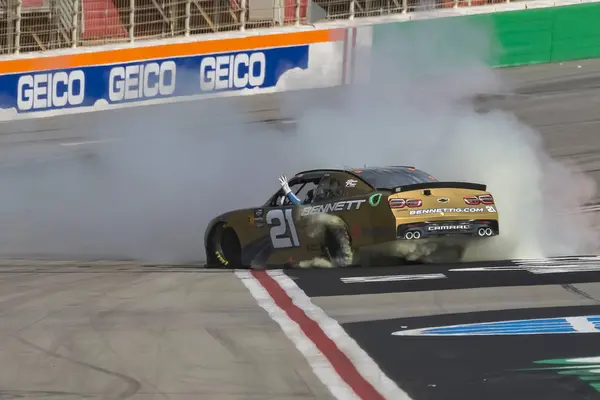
[123,330]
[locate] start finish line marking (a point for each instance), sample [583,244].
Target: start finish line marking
[339,362]
[392,278]
[559,265]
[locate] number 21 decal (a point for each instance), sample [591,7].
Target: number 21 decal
[280,221]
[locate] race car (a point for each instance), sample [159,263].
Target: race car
[346,210]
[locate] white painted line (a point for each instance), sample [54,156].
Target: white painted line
[334,371]
[391,278]
[482,269]
[581,324]
[84,143]
[361,360]
[320,365]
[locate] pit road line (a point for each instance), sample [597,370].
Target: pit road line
[343,367]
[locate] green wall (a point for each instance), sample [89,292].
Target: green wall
[513,38]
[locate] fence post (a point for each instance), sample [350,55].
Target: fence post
[243,6]
[281,8]
[75,23]
[18,27]
[188,14]
[297,13]
[131,20]
[352,10]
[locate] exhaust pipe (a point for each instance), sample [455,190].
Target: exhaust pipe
[412,235]
[485,232]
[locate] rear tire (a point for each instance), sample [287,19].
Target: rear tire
[224,248]
[338,247]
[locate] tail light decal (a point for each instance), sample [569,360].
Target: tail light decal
[483,199]
[472,201]
[401,203]
[397,203]
[412,203]
[486,199]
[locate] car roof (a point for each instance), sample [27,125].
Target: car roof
[355,171]
[376,177]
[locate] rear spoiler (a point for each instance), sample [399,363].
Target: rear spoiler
[439,185]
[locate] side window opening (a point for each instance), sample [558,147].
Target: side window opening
[306,191]
[336,189]
[301,189]
[328,188]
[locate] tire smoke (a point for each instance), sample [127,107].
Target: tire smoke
[418,110]
[150,193]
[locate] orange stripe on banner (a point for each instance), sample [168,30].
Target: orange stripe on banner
[169,50]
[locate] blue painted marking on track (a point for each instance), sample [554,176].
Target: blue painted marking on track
[517,327]
[488,331]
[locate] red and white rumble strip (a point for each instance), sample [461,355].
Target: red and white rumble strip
[338,361]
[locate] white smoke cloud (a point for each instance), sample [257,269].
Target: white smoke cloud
[150,195]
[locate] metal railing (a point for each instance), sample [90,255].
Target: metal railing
[39,25]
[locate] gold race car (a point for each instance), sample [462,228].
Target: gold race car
[346,211]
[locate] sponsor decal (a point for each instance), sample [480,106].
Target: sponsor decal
[221,258]
[50,90]
[443,200]
[491,209]
[448,227]
[542,326]
[351,183]
[258,219]
[375,199]
[446,210]
[586,369]
[391,278]
[233,71]
[142,81]
[338,206]
[122,82]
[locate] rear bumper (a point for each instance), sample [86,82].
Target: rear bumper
[423,230]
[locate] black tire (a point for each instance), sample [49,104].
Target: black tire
[224,249]
[337,246]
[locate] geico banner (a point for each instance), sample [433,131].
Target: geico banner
[137,81]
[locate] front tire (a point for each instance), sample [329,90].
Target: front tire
[224,249]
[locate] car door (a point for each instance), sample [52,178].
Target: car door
[312,246]
[281,236]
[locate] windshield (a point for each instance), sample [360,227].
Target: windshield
[394,177]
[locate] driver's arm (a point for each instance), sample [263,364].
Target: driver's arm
[288,192]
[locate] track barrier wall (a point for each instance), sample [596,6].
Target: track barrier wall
[86,79]
[93,79]
[525,37]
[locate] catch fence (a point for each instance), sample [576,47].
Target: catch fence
[40,25]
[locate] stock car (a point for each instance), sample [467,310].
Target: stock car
[363,207]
